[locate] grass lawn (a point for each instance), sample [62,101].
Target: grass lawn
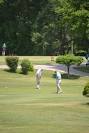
[33,59]
[24,109]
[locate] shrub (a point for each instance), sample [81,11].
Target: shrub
[81,53]
[79,60]
[12,63]
[26,66]
[86,90]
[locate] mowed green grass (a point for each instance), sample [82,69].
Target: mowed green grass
[24,109]
[33,59]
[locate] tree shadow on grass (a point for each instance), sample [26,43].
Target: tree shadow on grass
[71,76]
[82,68]
[17,72]
[9,71]
[86,104]
[65,76]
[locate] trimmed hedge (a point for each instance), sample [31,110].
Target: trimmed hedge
[86,90]
[12,63]
[26,66]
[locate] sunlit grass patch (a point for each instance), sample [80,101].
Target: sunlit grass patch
[23,108]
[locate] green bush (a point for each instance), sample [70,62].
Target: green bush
[86,90]
[26,66]
[79,60]
[81,53]
[12,63]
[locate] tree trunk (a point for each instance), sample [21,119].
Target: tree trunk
[68,70]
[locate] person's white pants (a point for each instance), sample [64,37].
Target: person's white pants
[58,84]
[38,81]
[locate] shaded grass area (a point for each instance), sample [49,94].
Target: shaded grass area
[65,76]
[83,68]
[24,109]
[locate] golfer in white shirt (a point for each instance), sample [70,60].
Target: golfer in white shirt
[58,82]
[38,77]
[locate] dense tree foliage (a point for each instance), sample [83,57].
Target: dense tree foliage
[44,27]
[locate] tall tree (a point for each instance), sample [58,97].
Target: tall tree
[43,27]
[63,25]
[17,18]
[80,23]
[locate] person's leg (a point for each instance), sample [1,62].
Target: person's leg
[38,85]
[37,82]
[58,84]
